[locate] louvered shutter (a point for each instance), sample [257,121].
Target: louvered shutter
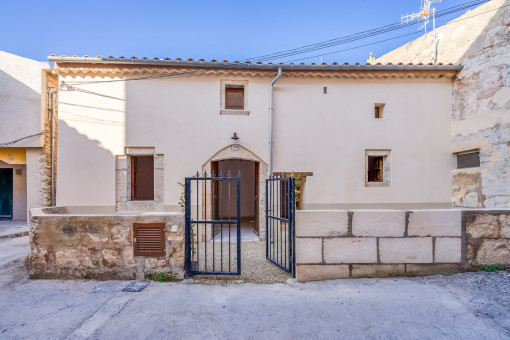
[149,239]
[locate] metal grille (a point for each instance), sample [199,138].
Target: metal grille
[213,225]
[280,222]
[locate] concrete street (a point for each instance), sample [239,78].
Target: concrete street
[464,306]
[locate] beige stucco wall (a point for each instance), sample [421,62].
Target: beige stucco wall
[323,133]
[91,133]
[20,99]
[481,98]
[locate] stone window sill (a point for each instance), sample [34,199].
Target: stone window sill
[376,184]
[234,112]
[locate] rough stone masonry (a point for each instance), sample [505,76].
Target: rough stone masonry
[481,98]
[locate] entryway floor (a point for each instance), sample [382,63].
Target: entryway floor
[247,234]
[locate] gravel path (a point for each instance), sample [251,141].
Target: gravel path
[254,266]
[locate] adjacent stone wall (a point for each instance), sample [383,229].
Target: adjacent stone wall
[344,244]
[487,237]
[481,98]
[99,246]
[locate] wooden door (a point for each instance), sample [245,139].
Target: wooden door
[6,194]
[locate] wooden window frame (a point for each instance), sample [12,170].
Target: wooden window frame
[378,171]
[133,177]
[156,253]
[233,89]
[378,110]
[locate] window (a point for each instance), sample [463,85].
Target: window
[142,178]
[234,98]
[378,110]
[468,160]
[377,168]
[149,239]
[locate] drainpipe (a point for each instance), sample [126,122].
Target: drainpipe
[52,132]
[271,121]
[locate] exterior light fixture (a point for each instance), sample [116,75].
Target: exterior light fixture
[235,146]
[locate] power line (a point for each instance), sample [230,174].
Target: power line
[320,45]
[23,138]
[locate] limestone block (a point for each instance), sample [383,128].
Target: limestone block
[309,250]
[120,234]
[484,226]
[159,162]
[378,223]
[110,258]
[504,225]
[350,250]
[74,258]
[448,250]
[431,269]
[321,272]
[121,162]
[127,256]
[406,250]
[378,270]
[321,223]
[435,223]
[494,252]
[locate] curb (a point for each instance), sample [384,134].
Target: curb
[20,234]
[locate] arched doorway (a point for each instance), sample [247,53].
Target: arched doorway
[253,193]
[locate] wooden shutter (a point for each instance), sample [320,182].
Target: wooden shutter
[142,178]
[149,239]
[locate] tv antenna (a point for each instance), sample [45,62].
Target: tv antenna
[423,18]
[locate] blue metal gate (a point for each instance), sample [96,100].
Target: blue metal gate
[213,225]
[280,222]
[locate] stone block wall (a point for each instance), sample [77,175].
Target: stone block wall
[99,246]
[352,244]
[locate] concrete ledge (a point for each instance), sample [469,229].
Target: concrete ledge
[321,223]
[406,250]
[381,223]
[309,250]
[350,250]
[378,270]
[435,223]
[432,269]
[448,250]
[321,272]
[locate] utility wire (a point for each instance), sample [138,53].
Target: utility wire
[337,41]
[23,138]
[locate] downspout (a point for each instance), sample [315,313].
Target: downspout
[271,121]
[53,93]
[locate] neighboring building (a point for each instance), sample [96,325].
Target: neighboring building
[479,40]
[25,139]
[362,136]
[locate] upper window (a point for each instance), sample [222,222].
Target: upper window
[142,178]
[378,110]
[234,98]
[468,160]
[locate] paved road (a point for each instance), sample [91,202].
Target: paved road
[465,306]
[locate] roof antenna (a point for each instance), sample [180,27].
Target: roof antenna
[423,18]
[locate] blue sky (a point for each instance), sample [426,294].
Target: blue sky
[233,30]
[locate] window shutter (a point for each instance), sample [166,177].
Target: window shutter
[149,239]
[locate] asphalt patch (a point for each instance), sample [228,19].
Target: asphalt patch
[135,287]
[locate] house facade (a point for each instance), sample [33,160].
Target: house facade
[25,135]
[359,136]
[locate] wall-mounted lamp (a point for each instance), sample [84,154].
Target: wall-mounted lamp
[235,147]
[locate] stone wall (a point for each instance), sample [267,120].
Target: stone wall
[99,246]
[481,98]
[345,244]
